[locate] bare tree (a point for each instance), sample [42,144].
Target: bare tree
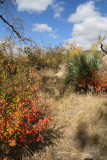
[101,39]
[15,25]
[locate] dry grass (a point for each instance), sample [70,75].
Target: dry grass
[83,120]
[79,124]
[78,130]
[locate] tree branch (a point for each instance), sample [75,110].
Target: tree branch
[15,24]
[1,2]
[11,26]
[14,30]
[103,49]
[101,39]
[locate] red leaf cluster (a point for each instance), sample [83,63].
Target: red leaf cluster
[23,115]
[92,78]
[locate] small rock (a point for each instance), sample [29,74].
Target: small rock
[88,157]
[59,74]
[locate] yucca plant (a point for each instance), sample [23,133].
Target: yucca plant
[82,71]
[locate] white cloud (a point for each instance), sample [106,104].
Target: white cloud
[58,9]
[41,28]
[33,5]
[44,28]
[53,35]
[88,23]
[83,11]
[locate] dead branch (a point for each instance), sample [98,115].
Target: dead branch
[101,39]
[15,31]
[105,51]
[1,2]
[11,26]
[12,23]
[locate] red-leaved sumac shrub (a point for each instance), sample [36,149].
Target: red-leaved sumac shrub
[23,114]
[93,79]
[103,84]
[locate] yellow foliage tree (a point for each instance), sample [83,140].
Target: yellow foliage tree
[94,47]
[74,50]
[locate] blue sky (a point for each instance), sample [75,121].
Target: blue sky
[51,22]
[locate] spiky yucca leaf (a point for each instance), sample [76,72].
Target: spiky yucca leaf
[81,64]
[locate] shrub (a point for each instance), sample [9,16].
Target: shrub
[74,50]
[83,71]
[45,58]
[54,57]
[103,84]
[22,113]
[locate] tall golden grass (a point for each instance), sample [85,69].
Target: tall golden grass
[79,123]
